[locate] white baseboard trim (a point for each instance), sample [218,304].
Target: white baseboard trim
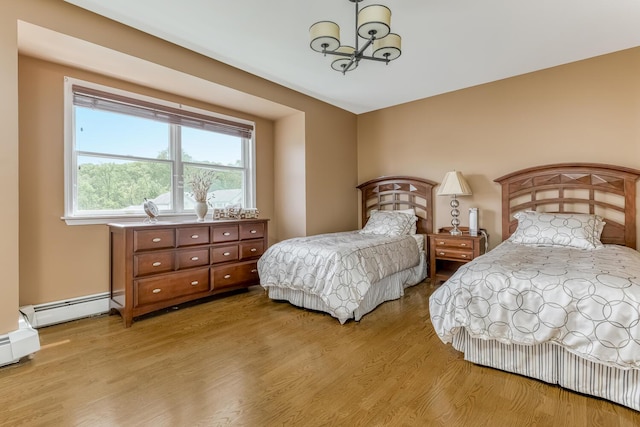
[66,310]
[20,343]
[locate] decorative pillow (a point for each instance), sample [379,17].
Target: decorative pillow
[557,229]
[392,223]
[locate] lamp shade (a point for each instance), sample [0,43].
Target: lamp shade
[388,47]
[324,33]
[374,20]
[341,63]
[454,184]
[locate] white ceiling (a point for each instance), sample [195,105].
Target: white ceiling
[446,44]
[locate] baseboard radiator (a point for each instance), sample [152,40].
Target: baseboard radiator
[21,343]
[52,313]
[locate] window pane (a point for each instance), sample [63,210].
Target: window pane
[226,189]
[201,146]
[112,133]
[120,185]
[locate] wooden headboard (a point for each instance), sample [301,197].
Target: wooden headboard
[397,193]
[605,190]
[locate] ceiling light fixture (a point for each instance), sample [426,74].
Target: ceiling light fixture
[373,23]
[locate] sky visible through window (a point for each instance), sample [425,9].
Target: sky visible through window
[118,134]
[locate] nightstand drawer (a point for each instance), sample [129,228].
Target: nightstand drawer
[454,254]
[453,243]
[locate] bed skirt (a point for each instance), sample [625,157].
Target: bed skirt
[390,288]
[553,364]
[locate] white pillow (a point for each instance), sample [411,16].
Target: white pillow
[580,231]
[412,212]
[391,223]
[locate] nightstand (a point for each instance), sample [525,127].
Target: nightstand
[447,253]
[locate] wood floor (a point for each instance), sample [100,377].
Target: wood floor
[244,360]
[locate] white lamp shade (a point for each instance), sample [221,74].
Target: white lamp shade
[388,47]
[454,184]
[341,63]
[374,20]
[324,33]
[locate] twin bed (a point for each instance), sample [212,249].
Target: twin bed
[349,274]
[559,298]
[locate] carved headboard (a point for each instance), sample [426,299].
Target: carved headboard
[605,190]
[397,193]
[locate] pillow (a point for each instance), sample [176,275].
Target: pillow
[410,211]
[391,223]
[580,231]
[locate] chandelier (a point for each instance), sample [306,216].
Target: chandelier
[372,24]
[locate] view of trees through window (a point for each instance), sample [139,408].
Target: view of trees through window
[121,160]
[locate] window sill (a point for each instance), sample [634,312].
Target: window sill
[126,219]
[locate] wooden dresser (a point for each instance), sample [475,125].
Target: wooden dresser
[154,266]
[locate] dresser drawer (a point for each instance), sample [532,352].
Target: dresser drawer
[225,233]
[189,258]
[224,253]
[251,249]
[222,277]
[454,243]
[166,287]
[153,263]
[452,253]
[160,238]
[193,236]
[252,230]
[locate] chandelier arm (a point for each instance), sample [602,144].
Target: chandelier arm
[356,26]
[359,53]
[335,53]
[373,58]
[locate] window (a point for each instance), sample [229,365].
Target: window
[121,148]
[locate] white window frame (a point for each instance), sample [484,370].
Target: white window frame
[71,217]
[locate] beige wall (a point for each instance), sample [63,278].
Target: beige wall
[289,173]
[584,111]
[330,159]
[60,261]
[9,169]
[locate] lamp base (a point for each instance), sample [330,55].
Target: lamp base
[455,231]
[455,222]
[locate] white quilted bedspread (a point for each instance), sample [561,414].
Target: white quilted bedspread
[337,267]
[586,301]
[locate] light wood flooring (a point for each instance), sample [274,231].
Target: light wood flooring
[244,360]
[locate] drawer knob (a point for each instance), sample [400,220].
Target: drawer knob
[227,276]
[195,282]
[463,244]
[194,258]
[194,236]
[156,290]
[463,256]
[157,264]
[156,239]
[253,231]
[253,249]
[226,233]
[226,253]
[441,253]
[441,243]
[254,271]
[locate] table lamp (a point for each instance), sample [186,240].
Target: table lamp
[454,185]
